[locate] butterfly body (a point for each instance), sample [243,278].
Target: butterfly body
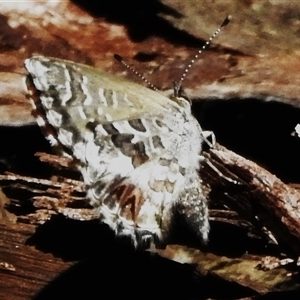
[138,151]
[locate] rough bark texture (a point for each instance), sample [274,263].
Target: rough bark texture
[245,89]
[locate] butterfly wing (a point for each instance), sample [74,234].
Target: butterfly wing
[136,149]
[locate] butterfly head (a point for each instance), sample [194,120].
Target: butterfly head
[180,96]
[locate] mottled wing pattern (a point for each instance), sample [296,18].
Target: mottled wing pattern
[137,150]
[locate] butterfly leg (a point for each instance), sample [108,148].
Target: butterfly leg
[209,138]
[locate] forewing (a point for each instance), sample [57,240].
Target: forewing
[67,85]
[74,98]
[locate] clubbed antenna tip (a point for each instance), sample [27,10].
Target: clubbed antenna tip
[177,86]
[226,21]
[194,59]
[118,57]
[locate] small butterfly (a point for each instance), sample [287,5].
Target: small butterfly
[137,150]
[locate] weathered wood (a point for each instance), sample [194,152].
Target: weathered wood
[24,270]
[258,196]
[243,187]
[255,194]
[46,226]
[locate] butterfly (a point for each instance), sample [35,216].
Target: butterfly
[138,151]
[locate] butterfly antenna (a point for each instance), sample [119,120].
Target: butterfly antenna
[188,67]
[135,72]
